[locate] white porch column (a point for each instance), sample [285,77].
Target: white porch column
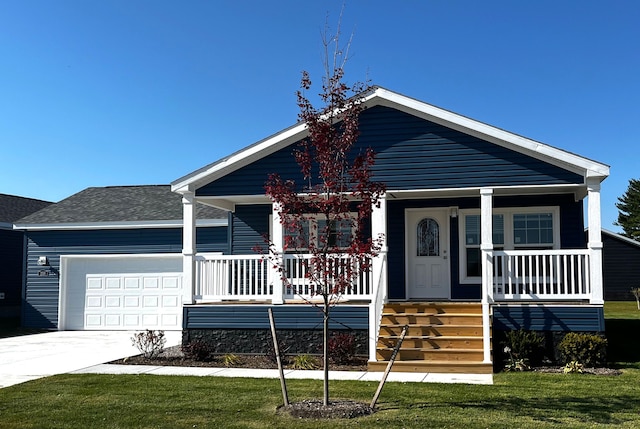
[595,240]
[278,247]
[188,247]
[486,248]
[379,274]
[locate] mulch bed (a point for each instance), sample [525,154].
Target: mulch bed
[173,356]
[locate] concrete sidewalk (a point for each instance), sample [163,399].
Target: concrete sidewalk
[289,374]
[29,357]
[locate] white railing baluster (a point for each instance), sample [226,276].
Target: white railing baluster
[541,275]
[246,277]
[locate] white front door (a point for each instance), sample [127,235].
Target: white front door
[427,238]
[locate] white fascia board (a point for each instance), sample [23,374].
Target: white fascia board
[118,225]
[559,157]
[620,237]
[239,159]
[399,194]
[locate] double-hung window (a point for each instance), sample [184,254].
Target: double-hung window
[316,230]
[513,228]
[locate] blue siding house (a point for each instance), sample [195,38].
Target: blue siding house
[12,252]
[506,212]
[111,258]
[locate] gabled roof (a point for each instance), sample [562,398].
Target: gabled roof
[621,238]
[118,207]
[378,96]
[13,207]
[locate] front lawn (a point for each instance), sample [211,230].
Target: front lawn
[522,400]
[516,400]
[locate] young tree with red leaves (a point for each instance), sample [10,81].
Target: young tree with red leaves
[326,216]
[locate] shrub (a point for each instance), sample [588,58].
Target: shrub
[230,360]
[304,362]
[150,343]
[573,367]
[342,348]
[587,349]
[524,346]
[198,350]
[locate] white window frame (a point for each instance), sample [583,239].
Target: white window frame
[313,218]
[509,244]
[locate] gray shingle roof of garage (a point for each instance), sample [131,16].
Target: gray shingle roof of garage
[119,204]
[13,207]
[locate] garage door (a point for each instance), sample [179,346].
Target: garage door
[133,301]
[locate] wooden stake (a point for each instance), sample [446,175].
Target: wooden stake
[276,348]
[389,365]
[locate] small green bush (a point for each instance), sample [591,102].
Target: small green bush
[230,360]
[150,343]
[304,362]
[573,367]
[587,349]
[198,350]
[342,348]
[524,346]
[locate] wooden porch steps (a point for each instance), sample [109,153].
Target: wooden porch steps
[442,338]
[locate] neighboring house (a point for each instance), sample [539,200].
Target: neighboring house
[13,208]
[620,266]
[478,223]
[111,258]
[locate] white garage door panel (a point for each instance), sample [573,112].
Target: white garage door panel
[133,301]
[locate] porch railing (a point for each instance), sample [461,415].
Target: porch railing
[541,275]
[250,277]
[232,277]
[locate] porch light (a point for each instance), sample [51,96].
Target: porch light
[43,261]
[454,212]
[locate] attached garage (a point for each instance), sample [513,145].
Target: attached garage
[121,292]
[110,258]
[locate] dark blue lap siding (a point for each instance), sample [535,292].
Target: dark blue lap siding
[412,153]
[286,317]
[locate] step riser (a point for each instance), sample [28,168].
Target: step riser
[446,368]
[443,330]
[434,308]
[423,319]
[437,355]
[410,343]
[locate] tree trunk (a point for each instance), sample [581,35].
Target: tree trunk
[325,347]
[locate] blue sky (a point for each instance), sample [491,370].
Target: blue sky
[129,92]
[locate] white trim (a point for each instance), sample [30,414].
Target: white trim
[119,225]
[384,97]
[559,157]
[508,244]
[619,236]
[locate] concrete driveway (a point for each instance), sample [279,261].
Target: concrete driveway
[29,357]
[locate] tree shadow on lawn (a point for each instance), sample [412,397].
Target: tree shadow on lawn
[591,410]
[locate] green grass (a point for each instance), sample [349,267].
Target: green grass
[516,400]
[621,310]
[523,400]
[622,324]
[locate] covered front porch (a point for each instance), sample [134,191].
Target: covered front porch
[540,276]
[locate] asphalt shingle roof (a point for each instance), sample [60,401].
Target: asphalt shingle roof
[13,207]
[119,204]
